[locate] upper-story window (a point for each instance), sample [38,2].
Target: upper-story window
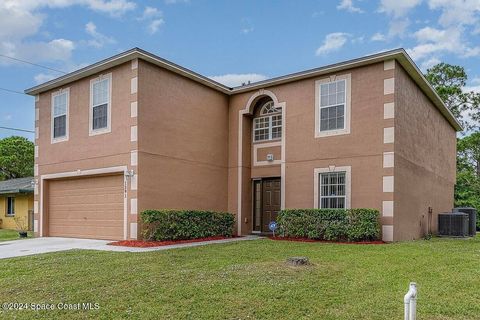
[268,124]
[60,102]
[332,106]
[100,104]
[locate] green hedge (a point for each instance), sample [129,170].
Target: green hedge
[330,224]
[186,224]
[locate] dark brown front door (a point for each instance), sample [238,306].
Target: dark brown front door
[271,193]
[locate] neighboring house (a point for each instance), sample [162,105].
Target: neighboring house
[16,197]
[136,132]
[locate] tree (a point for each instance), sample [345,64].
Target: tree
[16,158]
[467,188]
[449,82]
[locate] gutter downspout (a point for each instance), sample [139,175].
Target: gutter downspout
[410,301]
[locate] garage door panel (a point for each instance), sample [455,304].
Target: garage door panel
[87,207]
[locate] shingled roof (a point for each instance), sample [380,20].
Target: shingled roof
[20,185]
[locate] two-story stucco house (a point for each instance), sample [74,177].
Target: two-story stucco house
[136,132]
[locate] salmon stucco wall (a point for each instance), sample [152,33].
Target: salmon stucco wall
[23,203]
[425,155]
[182,142]
[362,149]
[82,151]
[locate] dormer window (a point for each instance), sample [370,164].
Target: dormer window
[268,124]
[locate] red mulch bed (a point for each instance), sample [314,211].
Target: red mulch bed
[149,244]
[324,241]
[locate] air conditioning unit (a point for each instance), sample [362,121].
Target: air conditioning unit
[472,217]
[270,157]
[453,224]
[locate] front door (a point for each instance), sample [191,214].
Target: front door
[266,203]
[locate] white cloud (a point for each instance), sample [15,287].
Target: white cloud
[98,39]
[349,6]
[155,25]
[398,8]
[20,20]
[429,63]
[7,117]
[233,80]
[456,12]
[43,77]
[333,41]
[154,18]
[398,28]
[378,37]
[176,1]
[434,42]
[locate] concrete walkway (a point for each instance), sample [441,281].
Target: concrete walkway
[19,248]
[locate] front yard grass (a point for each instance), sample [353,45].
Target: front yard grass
[250,280]
[9,234]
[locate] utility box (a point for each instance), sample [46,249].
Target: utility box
[472,216]
[453,224]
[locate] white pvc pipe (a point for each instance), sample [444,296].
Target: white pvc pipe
[410,302]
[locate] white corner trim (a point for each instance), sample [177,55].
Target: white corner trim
[388,184]
[389,64]
[133,157]
[388,159]
[35,187]
[35,151]
[133,206]
[65,91]
[388,86]
[387,208]
[35,207]
[389,135]
[387,233]
[82,173]
[108,129]
[348,102]
[133,133]
[134,64]
[134,85]
[35,170]
[134,182]
[134,109]
[283,166]
[133,230]
[35,225]
[348,183]
[389,110]
[37,98]
[37,114]
[266,145]
[37,133]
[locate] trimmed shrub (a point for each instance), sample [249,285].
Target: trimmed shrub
[170,224]
[330,224]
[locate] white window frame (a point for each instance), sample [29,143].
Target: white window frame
[348,184]
[65,137]
[270,127]
[108,129]
[347,111]
[7,214]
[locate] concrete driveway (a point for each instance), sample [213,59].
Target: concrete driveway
[19,248]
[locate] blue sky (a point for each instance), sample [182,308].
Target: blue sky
[232,41]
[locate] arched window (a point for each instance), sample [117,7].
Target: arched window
[268,125]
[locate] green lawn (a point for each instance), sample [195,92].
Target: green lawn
[8,234]
[250,280]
